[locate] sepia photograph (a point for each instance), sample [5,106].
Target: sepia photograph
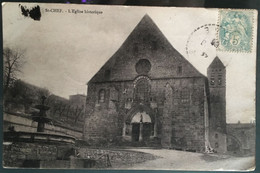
[128,87]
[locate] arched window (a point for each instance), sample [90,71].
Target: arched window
[101,96]
[142,90]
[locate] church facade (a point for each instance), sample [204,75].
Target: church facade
[148,91]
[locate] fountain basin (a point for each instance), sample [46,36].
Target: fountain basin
[41,119]
[41,137]
[42,107]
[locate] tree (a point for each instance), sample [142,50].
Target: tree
[13,62]
[78,113]
[24,94]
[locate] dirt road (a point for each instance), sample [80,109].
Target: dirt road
[181,160]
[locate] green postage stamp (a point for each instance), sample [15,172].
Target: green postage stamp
[235,32]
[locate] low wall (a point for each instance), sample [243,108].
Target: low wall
[117,158]
[35,155]
[15,154]
[23,123]
[40,155]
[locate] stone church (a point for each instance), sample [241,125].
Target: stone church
[147,91]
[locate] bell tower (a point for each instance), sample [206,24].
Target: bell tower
[216,73]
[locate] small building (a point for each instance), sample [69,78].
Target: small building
[78,100]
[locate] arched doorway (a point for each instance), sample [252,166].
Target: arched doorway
[142,127]
[233,144]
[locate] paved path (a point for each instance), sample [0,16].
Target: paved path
[181,160]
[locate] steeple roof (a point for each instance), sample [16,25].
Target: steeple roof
[216,63]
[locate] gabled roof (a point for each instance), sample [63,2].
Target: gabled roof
[152,45]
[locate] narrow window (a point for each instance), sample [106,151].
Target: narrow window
[216,145]
[101,96]
[212,81]
[219,81]
[179,70]
[216,136]
[144,39]
[135,48]
[107,74]
[154,45]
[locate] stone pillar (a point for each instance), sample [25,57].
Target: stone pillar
[130,131]
[155,124]
[155,128]
[124,129]
[141,132]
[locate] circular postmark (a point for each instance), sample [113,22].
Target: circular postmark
[203,42]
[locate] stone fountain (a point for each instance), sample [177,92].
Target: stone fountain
[40,149]
[41,117]
[40,136]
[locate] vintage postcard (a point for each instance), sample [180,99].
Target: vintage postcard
[128,87]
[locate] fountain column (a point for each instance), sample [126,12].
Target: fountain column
[41,117]
[40,127]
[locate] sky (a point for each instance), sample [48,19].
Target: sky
[64,50]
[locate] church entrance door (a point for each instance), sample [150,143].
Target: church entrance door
[141,127]
[146,130]
[135,132]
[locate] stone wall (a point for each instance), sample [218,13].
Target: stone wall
[41,155]
[188,126]
[35,155]
[24,123]
[186,110]
[15,154]
[103,119]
